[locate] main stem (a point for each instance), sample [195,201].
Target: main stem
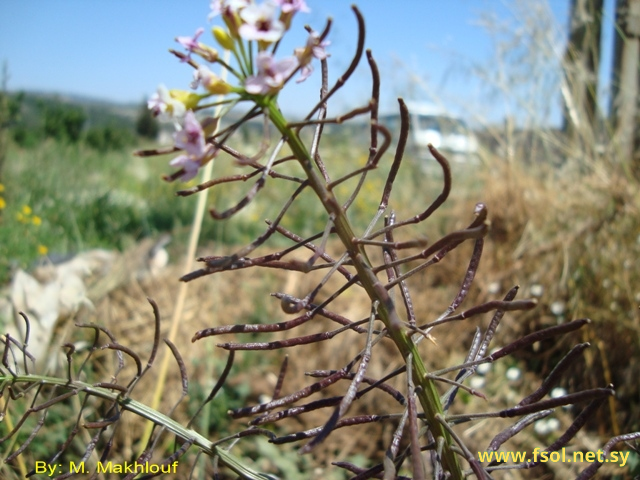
[427,394]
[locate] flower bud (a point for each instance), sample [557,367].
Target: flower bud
[188,99]
[209,80]
[223,38]
[218,86]
[208,53]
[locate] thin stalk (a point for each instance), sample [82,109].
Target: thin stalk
[428,395]
[9,423]
[182,291]
[143,411]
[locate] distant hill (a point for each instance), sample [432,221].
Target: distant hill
[98,111]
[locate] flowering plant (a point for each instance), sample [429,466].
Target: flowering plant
[253,31]
[370,261]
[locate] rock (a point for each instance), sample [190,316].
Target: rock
[55,292]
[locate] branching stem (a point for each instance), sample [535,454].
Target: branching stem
[427,393]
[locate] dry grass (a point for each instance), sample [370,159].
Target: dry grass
[576,236]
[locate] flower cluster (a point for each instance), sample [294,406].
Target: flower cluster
[25,215]
[251,33]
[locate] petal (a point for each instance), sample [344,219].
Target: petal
[256,85]
[189,166]
[286,66]
[305,72]
[191,137]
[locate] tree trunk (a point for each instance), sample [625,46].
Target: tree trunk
[582,62]
[625,81]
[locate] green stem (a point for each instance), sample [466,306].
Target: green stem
[143,411]
[428,395]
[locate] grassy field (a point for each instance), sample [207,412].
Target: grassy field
[60,199]
[568,235]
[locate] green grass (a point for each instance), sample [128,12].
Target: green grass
[61,198]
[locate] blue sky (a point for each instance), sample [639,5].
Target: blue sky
[117,49]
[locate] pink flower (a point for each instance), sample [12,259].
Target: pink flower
[271,75]
[226,7]
[260,23]
[189,165]
[190,138]
[230,11]
[289,8]
[313,49]
[190,43]
[292,6]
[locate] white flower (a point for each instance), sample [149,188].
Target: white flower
[260,23]
[162,102]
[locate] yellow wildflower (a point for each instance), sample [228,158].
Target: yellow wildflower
[36,220]
[42,249]
[26,210]
[2,203]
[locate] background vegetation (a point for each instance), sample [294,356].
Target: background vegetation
[565,226]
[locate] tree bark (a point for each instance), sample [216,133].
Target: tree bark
[625,82]
[582,62]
